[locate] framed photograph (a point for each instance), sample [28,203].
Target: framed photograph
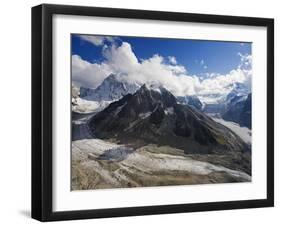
[146,112]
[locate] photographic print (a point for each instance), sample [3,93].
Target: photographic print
[139,112]
[152,111]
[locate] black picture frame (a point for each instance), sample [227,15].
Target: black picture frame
[42,107]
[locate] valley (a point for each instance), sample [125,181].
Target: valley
[103,164]
[148,138]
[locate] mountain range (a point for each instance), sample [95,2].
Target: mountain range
[155,116]
[234,106]
[112,89]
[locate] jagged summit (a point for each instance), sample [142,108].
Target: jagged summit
[148,97]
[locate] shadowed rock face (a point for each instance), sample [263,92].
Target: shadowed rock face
[154,116]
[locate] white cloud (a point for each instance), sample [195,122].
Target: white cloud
[217,84]
[97,40]
[203,64]
[122,60]
[88,74]
[172,59]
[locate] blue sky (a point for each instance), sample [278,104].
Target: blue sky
[197,56]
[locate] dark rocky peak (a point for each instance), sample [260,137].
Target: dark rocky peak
[154,95]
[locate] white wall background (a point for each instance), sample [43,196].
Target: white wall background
[15,104]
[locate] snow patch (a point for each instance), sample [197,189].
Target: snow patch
[169,111]
[145,115]
[120,108]
[154,87]
[87,106]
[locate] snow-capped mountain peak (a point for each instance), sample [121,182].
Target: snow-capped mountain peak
[111,89]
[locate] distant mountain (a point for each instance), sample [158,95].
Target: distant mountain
[214,108]
[238,93]
[154,116]
[87,100]
[110,89]
[240,89]
[240,111]
[192,101]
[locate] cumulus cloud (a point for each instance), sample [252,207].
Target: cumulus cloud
[97,40]
[121,60]
[88,74]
